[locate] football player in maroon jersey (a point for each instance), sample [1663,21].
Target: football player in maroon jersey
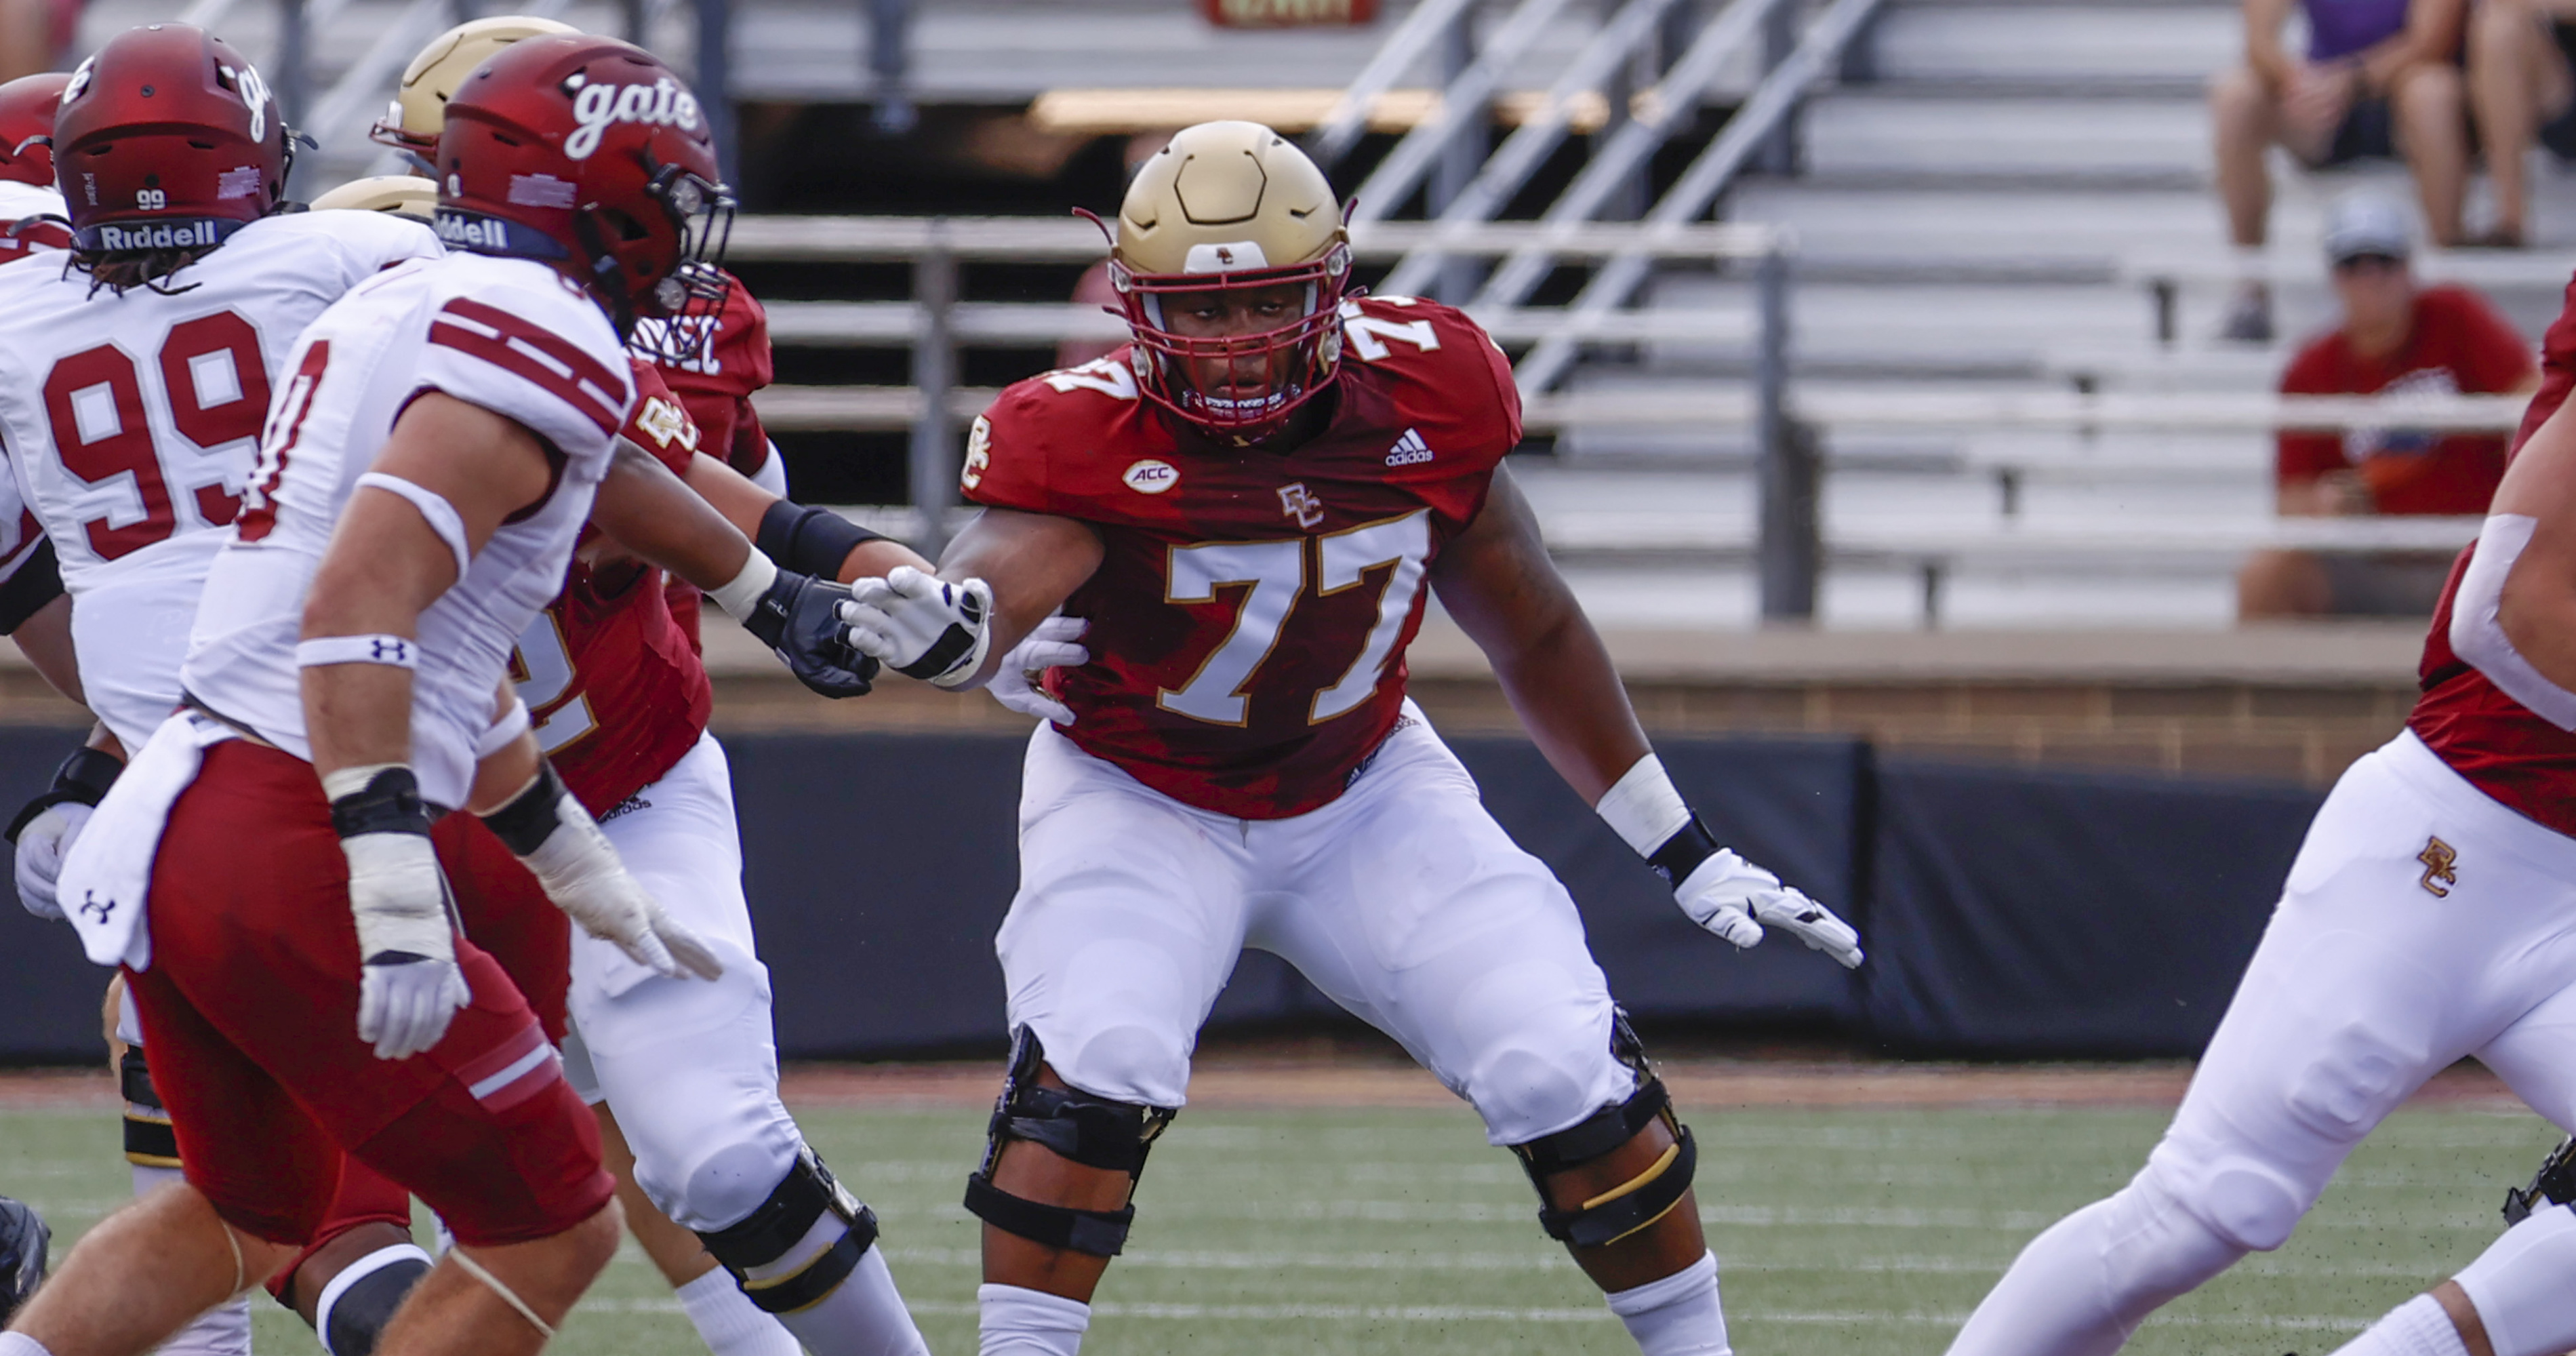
[1245,507]
[2430,917]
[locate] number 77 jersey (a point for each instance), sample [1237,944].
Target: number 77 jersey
[1251,610]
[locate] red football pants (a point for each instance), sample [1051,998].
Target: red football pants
[250,1012]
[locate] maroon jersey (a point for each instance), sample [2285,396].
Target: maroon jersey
[615,688]
[728,360]
[2523,761]
[1251,610]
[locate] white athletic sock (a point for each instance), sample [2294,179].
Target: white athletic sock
[1019,1322]
[863,1316]
[2416,1328]
[728,1322]
[2519,1285]
[2090,1279]
[1678,1315]
[20,1344]
[221,1331]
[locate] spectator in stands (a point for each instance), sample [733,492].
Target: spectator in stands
[2378,78]
[2395,338]
[2521,88]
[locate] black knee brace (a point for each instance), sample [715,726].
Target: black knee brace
[1092,1131]
[149,1140]
[1636,1203]
[778,1224]
[353,1320]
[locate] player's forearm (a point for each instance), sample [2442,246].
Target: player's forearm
[356,648]
[46,639]
[357,715]
[655,516]
[1568,694]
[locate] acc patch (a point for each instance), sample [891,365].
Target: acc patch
[668,423]
[1151,477]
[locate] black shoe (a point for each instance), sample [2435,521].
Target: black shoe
[2249,317]
[23,1240]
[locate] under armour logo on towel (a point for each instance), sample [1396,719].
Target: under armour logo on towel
[91,906]
[2441,861]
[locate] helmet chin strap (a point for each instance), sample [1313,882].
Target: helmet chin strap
[604,280]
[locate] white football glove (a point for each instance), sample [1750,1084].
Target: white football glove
[921,626]
[1055,644]
[581,873]
[42,845]
[1736,899]
[409,985]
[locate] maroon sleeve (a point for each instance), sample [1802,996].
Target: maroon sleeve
[2492,356]
[1006,459]
[2304,454]
[658,422]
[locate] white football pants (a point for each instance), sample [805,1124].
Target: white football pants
[1402,900]
[2422,922]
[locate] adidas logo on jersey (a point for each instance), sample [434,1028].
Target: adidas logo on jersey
[1409,450]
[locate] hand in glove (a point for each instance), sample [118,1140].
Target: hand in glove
[798,617]
[409,985]
[42,844]
[1055,644]
[920,625]
[1736,899]
[558,841]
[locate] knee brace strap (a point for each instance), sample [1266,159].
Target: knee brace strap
[1093,1131]
[1630,1206]
[358,1302]
[774,1228]
[149,1140]
[1101,1233]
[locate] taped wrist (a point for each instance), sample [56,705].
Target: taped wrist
[377,798]
[740,596]
[810,540]
[83,779]
[1648,813]
[528,819]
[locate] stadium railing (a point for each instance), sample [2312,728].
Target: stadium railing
[934,323]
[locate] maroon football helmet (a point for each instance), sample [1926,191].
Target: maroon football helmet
[588,154]
[27,107]
[167,139]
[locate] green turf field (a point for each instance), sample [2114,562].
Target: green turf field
[1853,1232]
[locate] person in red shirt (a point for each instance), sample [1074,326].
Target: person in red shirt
[2396,339]
[1251,506]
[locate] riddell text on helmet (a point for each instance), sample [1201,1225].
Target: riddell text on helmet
[160,236]
[662,103]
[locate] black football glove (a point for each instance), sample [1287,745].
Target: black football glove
[799,619]
[23,1240]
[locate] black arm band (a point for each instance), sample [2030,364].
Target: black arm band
[530,818]
[24,594]
[1682,853]
[808,540]
[389,803]
[83,779]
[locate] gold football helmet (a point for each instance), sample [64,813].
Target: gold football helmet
[419,111]
[1228,206]
[404,195]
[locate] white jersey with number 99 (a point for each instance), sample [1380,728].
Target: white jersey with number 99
[132,423]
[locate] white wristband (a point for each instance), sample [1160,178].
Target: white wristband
[398,652]
[1643,808]
[349,781]
[739,597]
[434,510]
[512,724]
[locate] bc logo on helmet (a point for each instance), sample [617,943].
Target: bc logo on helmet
[662,104]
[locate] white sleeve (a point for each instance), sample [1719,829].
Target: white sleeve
[772,475]
[19,534]
[2477,627]
[535,359]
